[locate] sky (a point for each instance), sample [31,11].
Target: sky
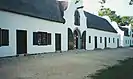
[121,7]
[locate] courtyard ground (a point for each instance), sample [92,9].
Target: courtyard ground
[75,64]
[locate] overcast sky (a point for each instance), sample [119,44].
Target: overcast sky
[120,6]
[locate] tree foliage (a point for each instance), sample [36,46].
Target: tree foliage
[121,20]
[131,2]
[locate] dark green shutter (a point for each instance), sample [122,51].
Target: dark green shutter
[5,37]
[0,37]
[35,38]
[49,38]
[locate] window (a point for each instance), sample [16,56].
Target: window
[100,39]
[109,40]
[49,38]
[0,38]
[39,38]
[89,39]
[4,37]
[126,41]
[113,40]
[77,18]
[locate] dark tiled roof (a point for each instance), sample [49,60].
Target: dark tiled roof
[125,31]
[99,23]
[44,9]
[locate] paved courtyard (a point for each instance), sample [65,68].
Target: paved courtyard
[66,65]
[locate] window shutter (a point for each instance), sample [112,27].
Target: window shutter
[0,37]
[5,37]
[49,39]
[35,38]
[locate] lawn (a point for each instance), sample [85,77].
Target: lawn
[124,70]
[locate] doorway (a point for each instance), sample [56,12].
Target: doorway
[70,39]
[21,38]
[95,42]
[77,39]
[84,40]
[58,42]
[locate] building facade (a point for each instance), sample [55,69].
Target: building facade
[48,25]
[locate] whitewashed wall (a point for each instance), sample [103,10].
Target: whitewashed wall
[15,22]
[121,33]
[99,33]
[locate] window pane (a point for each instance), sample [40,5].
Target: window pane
[49,39]
[44,38]
[5,37]
[39,39]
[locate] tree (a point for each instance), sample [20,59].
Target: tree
[124,20]
[131,2]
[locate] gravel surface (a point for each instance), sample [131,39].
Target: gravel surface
[74,64]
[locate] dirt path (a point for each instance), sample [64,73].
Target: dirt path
[67,65]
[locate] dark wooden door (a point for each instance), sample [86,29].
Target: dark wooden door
[95,42]
[105,41]
[21,38]
[84,40]
[57,42]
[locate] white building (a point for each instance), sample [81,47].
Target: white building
[125,33]
[29,27]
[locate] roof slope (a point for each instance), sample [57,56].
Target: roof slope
[99,23]
[125,30]
[44,9]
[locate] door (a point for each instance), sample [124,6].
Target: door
[84,40]
[105,41]
[70,40]
[21,38]
[95,42]
[57,42]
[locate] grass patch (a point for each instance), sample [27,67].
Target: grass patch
[124,70]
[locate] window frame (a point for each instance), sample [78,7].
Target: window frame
[41,38]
